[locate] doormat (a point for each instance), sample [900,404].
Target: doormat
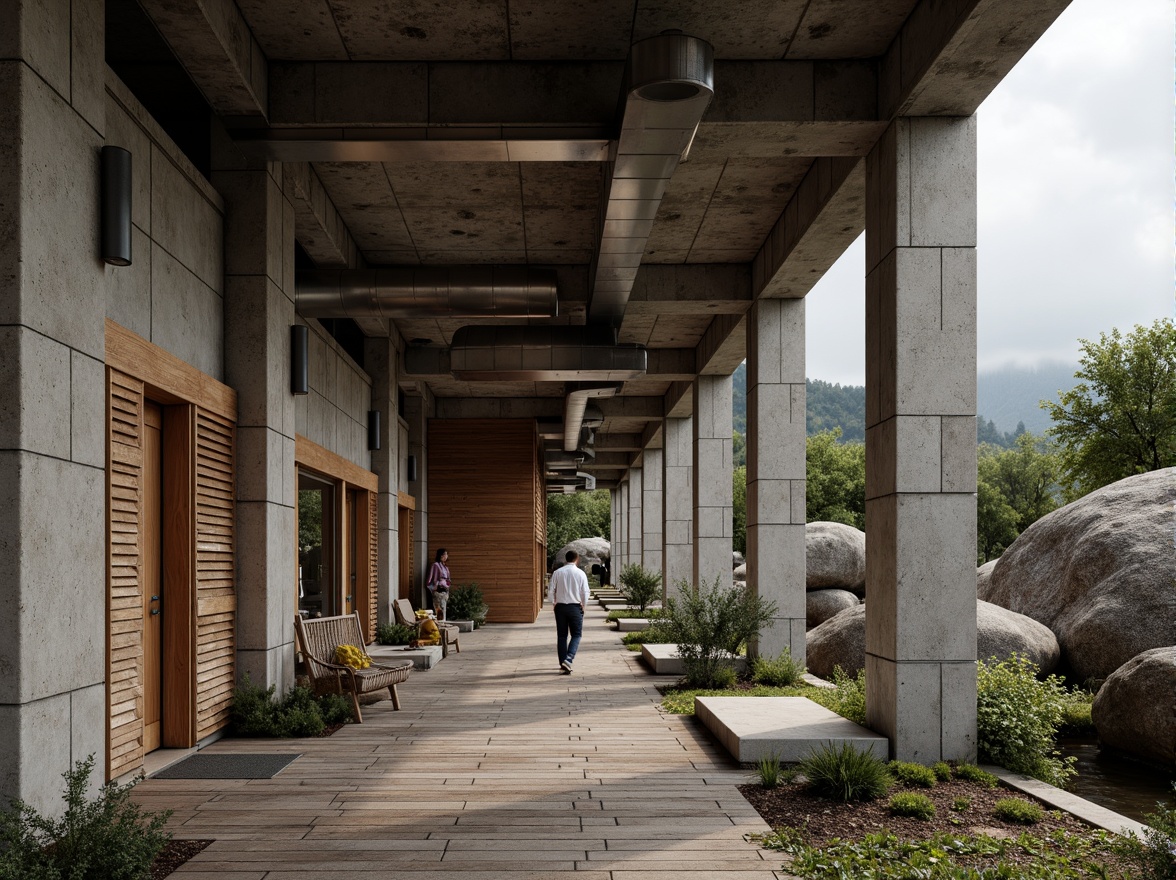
[242,766]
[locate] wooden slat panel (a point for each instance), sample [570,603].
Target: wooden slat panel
[373,563]
[124,596]
[216,597]
[494,544]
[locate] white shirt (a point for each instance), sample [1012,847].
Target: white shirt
[569,585]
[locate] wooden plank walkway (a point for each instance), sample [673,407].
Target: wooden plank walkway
[497,767]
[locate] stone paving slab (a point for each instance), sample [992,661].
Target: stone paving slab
[789,728]
[422,658]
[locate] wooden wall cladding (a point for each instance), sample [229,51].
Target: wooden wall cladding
[482,508]
[216,590]
[124,596]
[371,616]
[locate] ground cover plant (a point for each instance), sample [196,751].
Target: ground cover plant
[106,838]
[1154,855]
[256,711]
[631,613]
[913,804]
[1017,810]
[843,773]
[778,671]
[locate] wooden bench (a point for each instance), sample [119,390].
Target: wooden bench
[318,637]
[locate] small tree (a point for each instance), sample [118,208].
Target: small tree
[640,587]
[1015,488]
[710,625]
[1121,419]
[836,488]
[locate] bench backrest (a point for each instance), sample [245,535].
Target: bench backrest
[404,613]
[320,636]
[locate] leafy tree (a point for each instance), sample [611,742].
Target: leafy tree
[836,480]
[738,449]
[996,521]
[739,509]
[575,516]
[1120,419]
[830,407]
[1015,488]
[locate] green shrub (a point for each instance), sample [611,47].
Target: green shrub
[1021,812]
[961,804]
[1017,719]
[942,771]
[781,671]
[972,773]
[1155,853]
[256,712]
[629,613]
[108,838]
[843,773]
[680,701]
[640,637]
[710,625]
[394,634]
[847,697]
[913,774]
[909,803]
[639,586]
[1076,712]
[466,602]
[724,678]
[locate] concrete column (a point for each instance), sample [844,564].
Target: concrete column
[636,498]
[623,544]
[678,504]
[52,413]
[380,358]
[417,411]
[614,528]
[651,511]
[921,438]
[776,469]
[712,480]
[259,309]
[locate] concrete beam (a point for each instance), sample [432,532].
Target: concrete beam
[679,402]
[213,42]
[723,346]
[608,461]
[821,220]
[691,290]
[948,57]
[618,443]
[317,224]
[649,408]
[669,364]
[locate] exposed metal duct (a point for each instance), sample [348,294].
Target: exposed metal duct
[568,485]
[535,353]
[423,291]
[574,406]
[669,82]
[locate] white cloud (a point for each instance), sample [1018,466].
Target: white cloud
[1075,202]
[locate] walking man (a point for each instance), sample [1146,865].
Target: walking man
[568,593]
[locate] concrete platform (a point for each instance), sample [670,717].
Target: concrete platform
[664,660]
[790,728]
[632,624]
[465,626]
[422,658]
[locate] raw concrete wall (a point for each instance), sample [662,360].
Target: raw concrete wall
[172,294]
[334,413]
[52,412]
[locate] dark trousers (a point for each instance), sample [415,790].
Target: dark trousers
[569,618]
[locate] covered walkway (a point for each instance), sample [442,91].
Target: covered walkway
[496,767]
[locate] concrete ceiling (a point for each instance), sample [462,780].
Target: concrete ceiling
[477,131]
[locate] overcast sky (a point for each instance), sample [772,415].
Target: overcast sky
[1075,198]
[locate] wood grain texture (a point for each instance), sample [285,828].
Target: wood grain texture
[482,508]
[310,455]
[124,593]
[179,551]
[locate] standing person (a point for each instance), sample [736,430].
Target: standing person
[438,583]
[568,593]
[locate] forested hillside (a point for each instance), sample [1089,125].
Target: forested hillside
[829,406]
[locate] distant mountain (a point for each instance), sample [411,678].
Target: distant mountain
[1006,402]
[1011,394]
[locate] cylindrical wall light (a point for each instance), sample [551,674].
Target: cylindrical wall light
[373,429]
[116,206]
[299,359]
[412,470]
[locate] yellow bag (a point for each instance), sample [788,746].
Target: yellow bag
[350,655]
[428,632]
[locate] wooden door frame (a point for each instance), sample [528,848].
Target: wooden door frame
[345,475]
[180,389]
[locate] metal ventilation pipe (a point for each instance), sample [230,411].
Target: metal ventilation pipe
[423,291]
[574,406]
[669,82]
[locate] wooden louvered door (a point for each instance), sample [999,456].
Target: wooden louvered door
[152,582]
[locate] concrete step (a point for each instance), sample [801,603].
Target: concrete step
[422,658]
[790,728]
[664,660]
[632,624]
